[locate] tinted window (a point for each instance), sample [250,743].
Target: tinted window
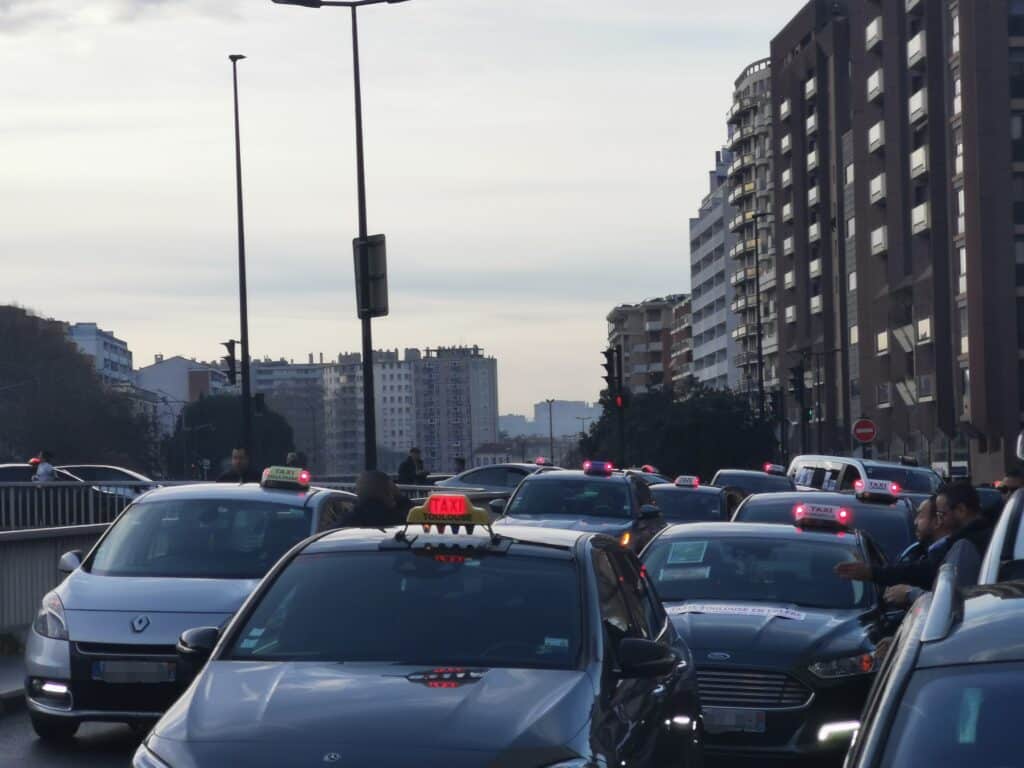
[752,482]
[889,525]
[959,716]
[577,497]
[917,480]
[226,539]
[495,611]
[489,476]
[757,570]
[16,474]
[688,506]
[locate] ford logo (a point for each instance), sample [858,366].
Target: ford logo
[139,623]
[719,656]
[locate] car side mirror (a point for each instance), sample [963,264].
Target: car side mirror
[649,512]
[194,649]
[498,506]
[645,658]
[69,561]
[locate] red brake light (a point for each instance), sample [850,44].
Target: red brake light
[447,506]
[895,489]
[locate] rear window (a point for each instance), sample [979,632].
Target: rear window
[753,482]
[890,526]
[428,609]
[572,496]
[909,478]
[688,506]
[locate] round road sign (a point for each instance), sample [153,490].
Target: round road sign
[865,431]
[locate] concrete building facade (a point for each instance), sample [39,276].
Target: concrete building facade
[644,332]
[110,355]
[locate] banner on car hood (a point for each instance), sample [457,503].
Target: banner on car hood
[726,609]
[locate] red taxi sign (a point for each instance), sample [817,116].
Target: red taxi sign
[822,513]
[444,509]
[688,481]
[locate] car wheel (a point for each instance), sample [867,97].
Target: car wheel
[54,728]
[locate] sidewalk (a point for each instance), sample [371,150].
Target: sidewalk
[12,680]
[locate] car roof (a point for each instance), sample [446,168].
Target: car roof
[250,491]
[514,464]
[821,497]
[989,630]
[759,530]
[744,472]
[566,474]
[707,490]
[102,466]
[360,538]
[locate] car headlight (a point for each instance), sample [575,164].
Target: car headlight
[50,621]
[848,666]
[145,758]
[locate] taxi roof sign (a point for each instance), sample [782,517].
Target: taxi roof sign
[286,477]
[822,514]
[877,488]
[689,481]
[444,509]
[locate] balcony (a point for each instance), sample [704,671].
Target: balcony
[789,281]
[916,49]
[787,212]
[656,346]
[812,160]
[876,189]
[918,106]
[920,218]
[813,197]
[814,232]
[785,109]
[791,314]
[876,86]
[811,88]
[787,178]
[816,305]
[873,33]
[740,304]
[654,326]
[787,246]
[811,124]
[743,275]
[786,144]
[742,331]
[919,162]
[879,240]
[814,268]
[876,136]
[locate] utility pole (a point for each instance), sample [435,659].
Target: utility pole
[242,291]
[551,429]
[620,404]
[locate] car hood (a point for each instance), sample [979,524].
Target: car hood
[295,713]
[612,526]
[83,591]
[751,633]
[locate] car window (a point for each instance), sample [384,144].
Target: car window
[753,482]
[754,570]
[642,490]
[16,474]
[649,618]
[958,716]
[486,476]
[910,479]
[428,609]
[334,512]
[573,496]
[850,476]
[208,538]
[830,480]
[618,620]
[680,506]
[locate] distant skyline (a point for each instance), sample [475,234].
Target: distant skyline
[532,164]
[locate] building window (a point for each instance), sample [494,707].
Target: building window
[1018,198]
[883,394]
[1017,73]
[854,335]
[852,281]
[1017,135]
[851,227]
[882,342]
[1020,318]
[849,174]
[924,330]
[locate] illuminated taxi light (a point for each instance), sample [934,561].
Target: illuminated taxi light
[598,468]
[858,486]
[688,481]
[447,506]
[625,538]
[822,513]
[774,469]
[54,689]
[830,731]
[649,469]
[540,461]
[877,488]
[286,477]
[895,488]
[444,509]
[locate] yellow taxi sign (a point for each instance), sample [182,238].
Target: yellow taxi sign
[444,509]
[285,477]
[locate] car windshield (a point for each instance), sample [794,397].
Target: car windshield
[680,506]
[428,609]
[889,526]
[201,538]
[753,482]
[754,570]
[909,479]
[574,496]
[959,716]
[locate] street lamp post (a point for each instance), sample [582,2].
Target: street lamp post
[551,428]
[243,302]
[362,245]
[584,420]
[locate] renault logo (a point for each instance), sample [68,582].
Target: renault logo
[332,757]
[139,623]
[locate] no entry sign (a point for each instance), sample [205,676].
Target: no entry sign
[865,431]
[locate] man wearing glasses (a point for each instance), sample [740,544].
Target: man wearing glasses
[1014,479]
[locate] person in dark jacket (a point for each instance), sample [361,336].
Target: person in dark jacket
[927,530]
[958,509]
[410,471]
[378,503]
[240,471]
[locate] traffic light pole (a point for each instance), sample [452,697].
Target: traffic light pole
[621,407]
[242,291]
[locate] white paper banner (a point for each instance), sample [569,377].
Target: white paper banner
[725,609]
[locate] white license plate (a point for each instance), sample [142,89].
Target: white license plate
[133,671]
[723,720]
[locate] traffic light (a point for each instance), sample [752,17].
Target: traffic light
[621,400]
[611,376]
[230,361]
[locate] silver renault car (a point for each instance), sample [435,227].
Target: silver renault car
[103,644]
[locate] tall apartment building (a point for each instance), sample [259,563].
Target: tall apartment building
[644,332]
[456,404]
[712,243]
[810,82]
[110,355]
[343,446]
[681,353]
[750,188]
[296,391]
[394,394]
[900,127]
[176,381]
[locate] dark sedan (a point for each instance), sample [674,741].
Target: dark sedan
[690,504]
[529,648]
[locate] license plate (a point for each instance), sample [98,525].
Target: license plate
[133,671]
[723,720]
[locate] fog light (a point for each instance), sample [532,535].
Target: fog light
[52,693]
[54,689]
[830,731]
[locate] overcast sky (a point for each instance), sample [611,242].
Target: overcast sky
[532,163]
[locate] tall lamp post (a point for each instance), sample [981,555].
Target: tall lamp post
[551,427]
[243,302]
[371,284]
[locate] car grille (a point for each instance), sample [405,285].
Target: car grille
[123,650]
[751,689]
